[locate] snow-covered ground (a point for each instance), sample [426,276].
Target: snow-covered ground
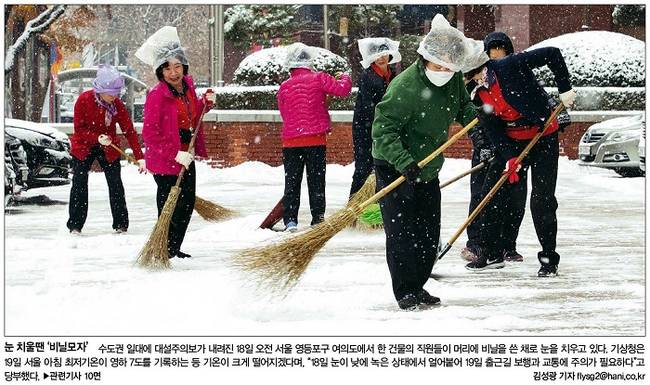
[58,284]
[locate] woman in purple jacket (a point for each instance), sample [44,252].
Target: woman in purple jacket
[302,100]
[171,112]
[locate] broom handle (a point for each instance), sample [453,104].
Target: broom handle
[499,183]
[470,171]
[191,145]
[124,154]
[380,194]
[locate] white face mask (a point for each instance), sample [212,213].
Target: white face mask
[439,78]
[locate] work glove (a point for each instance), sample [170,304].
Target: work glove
[104,140]
[512,166]
[209,98]
[478,137]
[412,173]
[184,158]
[568,98]
[142,167]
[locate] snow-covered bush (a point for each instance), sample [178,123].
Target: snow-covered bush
[607,69]
[628,14]
[267,66]
[598,59]
[246,24]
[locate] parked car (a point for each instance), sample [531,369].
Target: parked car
[614,144]
[47,153]
[10,181]
[16,170]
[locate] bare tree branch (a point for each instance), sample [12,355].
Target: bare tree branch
[34,26]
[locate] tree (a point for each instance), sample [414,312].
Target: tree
[629,15]
[258,24]
[34,26]
[363,21]
[26,59]
[366,20]
[126,27]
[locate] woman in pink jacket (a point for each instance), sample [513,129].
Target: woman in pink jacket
[171,112]
[302,100]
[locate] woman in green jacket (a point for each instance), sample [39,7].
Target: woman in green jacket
[410,123]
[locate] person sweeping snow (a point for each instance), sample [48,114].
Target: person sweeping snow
[521,109]
[411,121]
[96,112]
[497,45]
[171,111]
[302,101]
[379,54]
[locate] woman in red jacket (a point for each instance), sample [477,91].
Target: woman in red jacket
[95,114]
[171,112]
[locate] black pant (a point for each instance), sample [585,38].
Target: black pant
[411,215]
[295,159]
[362,140]
[184,205]
[78,209]
[516,200]
[543,161]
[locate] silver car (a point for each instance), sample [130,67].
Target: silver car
[614,144]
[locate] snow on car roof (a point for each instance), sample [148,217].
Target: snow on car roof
[39,127]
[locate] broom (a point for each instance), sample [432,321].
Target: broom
[370,218]
[281,265]
[498,184]
[207,210]
[154,253]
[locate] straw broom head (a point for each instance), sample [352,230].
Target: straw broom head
[211,211]
[154,253]
[365,192]
[280,265]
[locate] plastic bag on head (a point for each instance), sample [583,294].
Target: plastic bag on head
[476,56]
[300,55]
[163,45]
[445,45]
[372,48]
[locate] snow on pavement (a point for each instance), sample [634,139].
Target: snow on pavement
[58,284]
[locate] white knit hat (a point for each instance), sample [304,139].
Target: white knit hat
[372,48]
[163,45]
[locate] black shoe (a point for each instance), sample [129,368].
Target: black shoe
[317,220]
[547,271]
[486,261]
[178,254]
[181,254]
[512,256]
[120,230]
[427,299]
[408,302]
